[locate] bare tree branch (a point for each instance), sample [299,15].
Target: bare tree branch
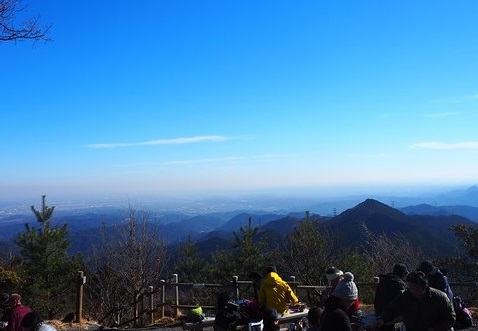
[15,27]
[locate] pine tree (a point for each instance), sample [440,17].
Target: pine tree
[190,266]
[308,251]
[48,272]
[250,254]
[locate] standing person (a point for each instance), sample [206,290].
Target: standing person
[436,278]
[334,276]
[256,279]
[34,322]
[390,285]
[18,311]
[275,293]
[271,319]
[421,307]
[334,316]
[4,298]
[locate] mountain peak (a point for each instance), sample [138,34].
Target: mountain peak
[372,203]
[377,216]
[373,207]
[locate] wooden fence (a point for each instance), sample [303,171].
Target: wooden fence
[165,300]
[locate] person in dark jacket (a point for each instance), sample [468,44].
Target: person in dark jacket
[390,285]
[256,279]
[4,298]
[34,322]
[313,317]
[334,316]
[271,320]
[436,278]
[420,306]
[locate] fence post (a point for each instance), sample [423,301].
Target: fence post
[163,296]
[176,293]
[294,286]
[151,305]
[118,314]
[236,286]
[79,296]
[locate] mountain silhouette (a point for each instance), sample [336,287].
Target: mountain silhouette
[428,233]
[424,226]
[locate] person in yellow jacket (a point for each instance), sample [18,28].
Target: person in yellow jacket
[275,293]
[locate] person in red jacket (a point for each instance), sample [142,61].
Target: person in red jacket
[18,311]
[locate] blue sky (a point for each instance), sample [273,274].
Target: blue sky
[176,97]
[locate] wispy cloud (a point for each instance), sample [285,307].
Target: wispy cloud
[461,99]
[174,141]
[438,115]
[365,156]
[218,160]
[203,161]
[446,146]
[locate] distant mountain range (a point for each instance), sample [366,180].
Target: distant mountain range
[429,233]
[425,225]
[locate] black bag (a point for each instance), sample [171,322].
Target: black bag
[230,313]
[237,312]
[463,315]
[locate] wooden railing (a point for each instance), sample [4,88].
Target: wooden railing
[156,308]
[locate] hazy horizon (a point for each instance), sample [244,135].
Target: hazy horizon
[322,199]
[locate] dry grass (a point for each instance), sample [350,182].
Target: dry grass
[85,325]
[170,321]
[61,326]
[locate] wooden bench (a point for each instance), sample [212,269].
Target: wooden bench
[198,326]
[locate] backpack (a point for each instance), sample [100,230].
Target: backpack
[195,315]
[233,312]
[463,314]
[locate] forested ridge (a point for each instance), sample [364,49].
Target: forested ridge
[130,256]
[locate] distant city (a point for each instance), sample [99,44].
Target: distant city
[318,202]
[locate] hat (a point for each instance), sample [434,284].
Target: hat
[400,270]
[346,288]
[4,298]
[271,268]
[418,278]
[426,267]
[333,273]
[15,298]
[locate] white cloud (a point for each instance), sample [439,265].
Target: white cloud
[174,141]
[446,146]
